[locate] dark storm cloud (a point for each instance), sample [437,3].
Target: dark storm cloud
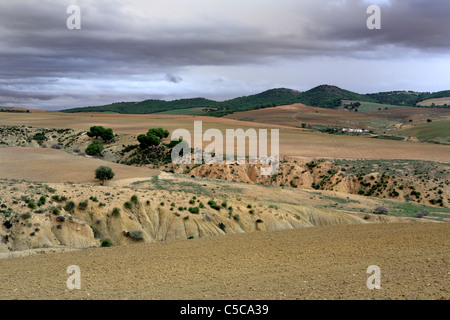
[173,78]
[123,39]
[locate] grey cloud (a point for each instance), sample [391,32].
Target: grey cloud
[122,39]
[173,78]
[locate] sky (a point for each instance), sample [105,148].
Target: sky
[133,50]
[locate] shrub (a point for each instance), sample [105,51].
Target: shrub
[7,224]
[56,198]
[104,173]
[136,235]
[83,205]
[128,205]
[70,206]
[116,212]
[56,146]
[259,221]
[101,132]
[60,219]
[380,210]
[32,205]
[55,211]
[25,216]
[134,199]
[422,214]
[148,140]
[222,226]
[194,210]
[42,200]
[95,148]
[96,233]
[107,243]
[39,137]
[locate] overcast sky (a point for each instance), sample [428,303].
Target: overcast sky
[132,50]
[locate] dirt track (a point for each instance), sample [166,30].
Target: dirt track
[309,263]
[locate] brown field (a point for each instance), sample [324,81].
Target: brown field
[309,263]
[50,165]
[437,102]
[296,114]
[293,142]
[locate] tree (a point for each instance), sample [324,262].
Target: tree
[101,132]
[160,132]
[103,173]
[95,148]
[147,140]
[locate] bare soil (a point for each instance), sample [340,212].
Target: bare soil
[310,263]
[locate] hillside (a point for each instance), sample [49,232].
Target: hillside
[323,96]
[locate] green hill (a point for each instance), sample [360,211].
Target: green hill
[323,96]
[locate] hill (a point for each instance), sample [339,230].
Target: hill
[323,96]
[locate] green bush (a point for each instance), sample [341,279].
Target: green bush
[70,206]
[104,173]
[128,205]
[116,212]
[134,199]
[32,205]
[107,243]
[95,148]
[83,205]
[25,216]
[55,211]
[194,210]
[101,132]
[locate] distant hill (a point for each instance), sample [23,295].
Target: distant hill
[323,96]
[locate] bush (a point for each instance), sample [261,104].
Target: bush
[107,243]
[42,200]
[422,214]
[83,205]
[128,205]
[55,211]
[7,224]
[25,216]
[56,146]
[136,235]
[134,199]
[32,205]
[194,210]
[70,206]
[380,210]
[96,233]
[116,212]
[148,140]
[222,226]
[60,219]
[104,173]
[101,132]
[95,148]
